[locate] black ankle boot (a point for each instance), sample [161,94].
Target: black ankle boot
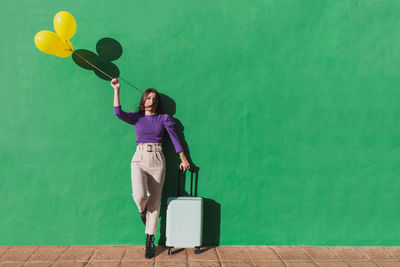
[149,246]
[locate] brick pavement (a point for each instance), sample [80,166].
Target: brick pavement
[133,255]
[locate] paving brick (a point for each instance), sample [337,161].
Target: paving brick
[361,263]
[54,247]
[170,264]
[107,253]
[18,254]
[293,263]
[3,249]
[77,254]
[349,253]
[291,253]
[68,264]
[47,254]
[236,264]
[387,263]
[262,253]
[83,246]
[321,253]
[177,254]
[206,254]
[233,253]
[11,264]
[204,264]
[25,247]
[135,253]
[275,263]
[394,250]
[102,264]
[37,264]
[142,263]
[332,264]
[377,253]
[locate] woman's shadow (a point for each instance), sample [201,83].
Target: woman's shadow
[211,209]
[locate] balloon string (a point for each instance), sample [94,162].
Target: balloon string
[103,71]
[130,84]
[94,66]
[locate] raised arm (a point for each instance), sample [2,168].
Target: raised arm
[129,117]
[116,85]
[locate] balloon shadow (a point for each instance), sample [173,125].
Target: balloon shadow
[108,50]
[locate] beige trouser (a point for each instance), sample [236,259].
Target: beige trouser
[148,175]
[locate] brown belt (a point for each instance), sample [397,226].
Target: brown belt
[149,147]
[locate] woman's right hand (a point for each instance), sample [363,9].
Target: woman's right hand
[115,83]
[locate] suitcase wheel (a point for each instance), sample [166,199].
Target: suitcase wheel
[197,250]
[169,251]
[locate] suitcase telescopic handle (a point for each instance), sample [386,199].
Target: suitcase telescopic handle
[191,181]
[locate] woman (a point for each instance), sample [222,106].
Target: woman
[148,162]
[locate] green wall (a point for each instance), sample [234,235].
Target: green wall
[290,109]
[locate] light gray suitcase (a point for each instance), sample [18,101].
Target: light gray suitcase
[184,228]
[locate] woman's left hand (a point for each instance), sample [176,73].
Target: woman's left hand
[184,165]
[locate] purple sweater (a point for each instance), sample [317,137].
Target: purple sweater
[150,128]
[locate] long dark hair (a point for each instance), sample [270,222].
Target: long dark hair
[157,106]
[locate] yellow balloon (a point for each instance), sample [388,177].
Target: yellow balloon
[64,24]
[66,50]
[49,42]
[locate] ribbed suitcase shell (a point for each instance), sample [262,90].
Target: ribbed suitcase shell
[184,227]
